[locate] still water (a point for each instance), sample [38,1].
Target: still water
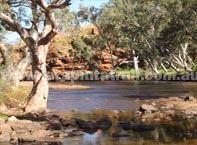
[113,95]
[126,96]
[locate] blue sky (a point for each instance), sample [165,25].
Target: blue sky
[12,37]
[76,3]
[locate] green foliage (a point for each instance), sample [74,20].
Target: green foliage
[17,10]
[66,20]
[155,29]
[80,51]
[109,34]
[78,44]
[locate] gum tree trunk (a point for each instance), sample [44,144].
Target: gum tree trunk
[38,43]
[135,61]
[12,72]
[37,100]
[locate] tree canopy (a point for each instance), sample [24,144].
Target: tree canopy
[159,31]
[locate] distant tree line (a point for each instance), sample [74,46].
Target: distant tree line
[161,33]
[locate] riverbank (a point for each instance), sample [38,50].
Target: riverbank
[163,117]
[54,85]
[157,121]
[160,109]
[41,128]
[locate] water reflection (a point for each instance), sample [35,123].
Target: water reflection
[131,131]
[95,138]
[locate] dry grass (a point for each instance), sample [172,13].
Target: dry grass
[12,96]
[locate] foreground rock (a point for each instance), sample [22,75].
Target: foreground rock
[92,126]
[5,132]
[48,128]
[189,98]
[166,108]
[164,112]
[191,111]
[3,108]
[36,128]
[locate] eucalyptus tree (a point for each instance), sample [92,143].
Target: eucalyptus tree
[35,23]
[97,45]
[150,28]
[81,52]
[9,70]
[179,37]
[140,23]
[108,32]
[174,29]
[119,14]
[131,24]
[66,20]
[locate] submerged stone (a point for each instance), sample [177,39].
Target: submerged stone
[104,124]
[143,128]
[147,108]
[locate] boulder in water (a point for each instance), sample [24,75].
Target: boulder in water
[147,108]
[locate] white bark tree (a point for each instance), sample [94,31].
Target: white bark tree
[10,71]
[37,40]
[135,61]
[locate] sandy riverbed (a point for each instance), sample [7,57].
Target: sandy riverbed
[53,85]
[178,103]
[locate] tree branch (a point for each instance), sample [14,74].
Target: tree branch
[48,37]
[56,1]
[41,3]
[35,16]
[56,5]
[8,21]
[16,27]
[50,19]
[50,27]
[53,5]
